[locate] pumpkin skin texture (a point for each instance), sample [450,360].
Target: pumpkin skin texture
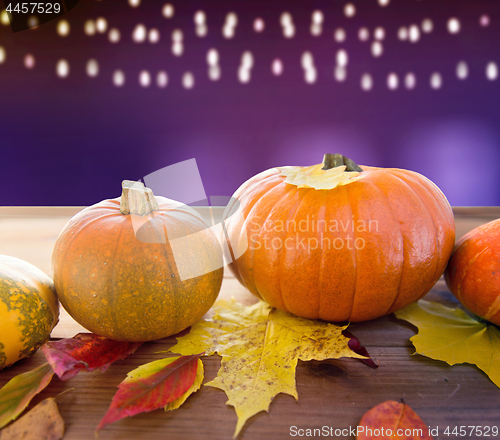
[473,272]
[29,309]
[128,288]
[354,252]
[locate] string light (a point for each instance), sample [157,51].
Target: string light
[168,10]
[414,33]
[377,48]
[89,27]
[33,22]
[383,2]
[317,23]
[62,68]
[349,10]
[258,25]
[144,78]
[484,20]
[436,80]
[177,44]
[230,25]
[4,18]
[114,35]
[154,36]
[307,62]
[101,25]
[3,55]
[392,81]
[340,73]
[410,81]
[63,28]
[379,33]
[363,34]
[29,61]
[286,22]
[162,79]
[339,35]
[427,25]
[342,58]
[453,25]
[366,82]
[277,67]
[118,78]
[491,71]
[134,3]
[139,33]
[244,71]
[92,68]
[200,21]
[403,33]
[188,80]
[462,70]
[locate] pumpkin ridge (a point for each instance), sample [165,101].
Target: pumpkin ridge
[427,211]
[112,279]
[322,257]
[291,218]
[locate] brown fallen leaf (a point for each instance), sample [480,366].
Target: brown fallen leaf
[43,422]
[392,420]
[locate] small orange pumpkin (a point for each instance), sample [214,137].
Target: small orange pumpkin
[137,268]
[473,272]
[339,242]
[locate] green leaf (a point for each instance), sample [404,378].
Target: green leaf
[260,347]
[16,395]
[452,336]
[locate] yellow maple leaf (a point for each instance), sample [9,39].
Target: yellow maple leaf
[260,347]
[452,336]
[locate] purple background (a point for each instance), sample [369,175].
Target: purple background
[71,141]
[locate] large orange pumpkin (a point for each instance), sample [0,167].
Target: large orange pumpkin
[339,242]
[473,272]
[137,268]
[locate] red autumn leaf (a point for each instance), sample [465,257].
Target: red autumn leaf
[85,351]
[152,386]
[18,392]
[355,346]
[392,420]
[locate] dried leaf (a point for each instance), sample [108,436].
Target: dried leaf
[87,352]
[155,385]
[18,392]
[392,420]
[356,346]
[315,177]
[42,422]
[452,336]
[260,347]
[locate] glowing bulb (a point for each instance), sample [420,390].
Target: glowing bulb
[491,71]
[427,25]
[214,73]
[310,75]
[339,35]
[462,70]
[342,58]
[379,33]
[62,68]
[277,67]
[289,31]
[244,74]
[134,3]
[307,60]
[92,68]
[114,35]
[231,19]
[212,57]
[199,18]
[162,79]
[177,36]
[177,48]
[63,28]
[168,10]
[453,25]
[363,34]
[436,80]
[89,27]
[154,36]
[29,61]
[286,19]
[188,80]
[139,33]
[101,25]
[340,73]
[4,18]
[33,21]
[377,48]
[484,20]
[392,81]
[228,32]
[258,25]
[316,29]
[317,17]
[402,33]
[414,33]
[144,78]
[366,82]
[383,2]
[247,60]
[3,55]
[410,81]
[118,78]
[349,10]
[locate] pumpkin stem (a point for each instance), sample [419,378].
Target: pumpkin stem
[336,160]
[137,199]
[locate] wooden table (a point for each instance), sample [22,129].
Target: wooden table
[333,393]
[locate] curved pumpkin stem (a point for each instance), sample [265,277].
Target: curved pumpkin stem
[137,199]
[336,160]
